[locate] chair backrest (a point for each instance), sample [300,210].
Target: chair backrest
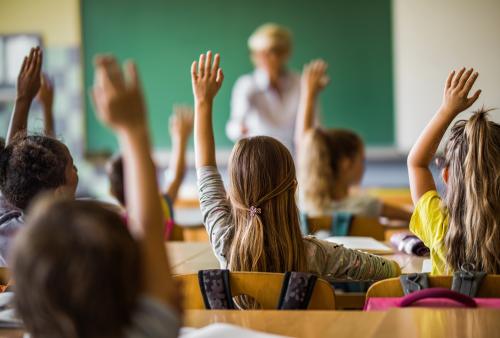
[264,287]
[490,286]
[360,226]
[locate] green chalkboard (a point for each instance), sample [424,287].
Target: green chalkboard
[165,36]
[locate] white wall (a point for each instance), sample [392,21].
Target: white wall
[432,37]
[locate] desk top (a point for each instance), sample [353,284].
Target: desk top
[404,323]
[189,257]
[407,323]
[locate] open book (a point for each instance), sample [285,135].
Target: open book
[222,330]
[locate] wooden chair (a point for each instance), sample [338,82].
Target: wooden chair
[360,226]
[264,287]
[490,286]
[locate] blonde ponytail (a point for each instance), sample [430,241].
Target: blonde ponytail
[473,194]
[267,235]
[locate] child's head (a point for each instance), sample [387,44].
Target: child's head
[76,269]
[115,175]
[270,46]
[33,164]
[472,176]
[262,188]
[328,160]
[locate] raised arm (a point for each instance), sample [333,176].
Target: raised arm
[181,125]
[46,98]
[28,84]
[314,79]
[207,80]
[455,101]
[120,105]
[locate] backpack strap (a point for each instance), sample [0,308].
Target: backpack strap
[341,223]
[467,281]
[215,289]
[414,282]
[304,224]
[296,290]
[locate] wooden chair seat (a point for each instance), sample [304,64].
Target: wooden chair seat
[264,287]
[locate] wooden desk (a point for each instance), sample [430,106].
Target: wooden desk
[430,323]
[396,323]
[338,324]
[404,323]
[202,257]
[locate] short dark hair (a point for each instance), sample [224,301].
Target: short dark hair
[29,165]
[76,267]
[115,175]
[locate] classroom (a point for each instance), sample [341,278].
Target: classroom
[265,169]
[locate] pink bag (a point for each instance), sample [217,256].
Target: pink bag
[431,298]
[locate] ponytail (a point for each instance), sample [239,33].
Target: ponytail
[267,236]
[473,196]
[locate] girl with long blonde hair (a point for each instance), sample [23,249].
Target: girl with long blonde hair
[255,226]
[463,227]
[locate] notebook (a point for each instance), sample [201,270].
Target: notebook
[366,244]
[222,330]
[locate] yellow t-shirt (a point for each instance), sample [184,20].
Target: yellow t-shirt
[430,223]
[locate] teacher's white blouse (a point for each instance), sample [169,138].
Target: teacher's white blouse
[262,110]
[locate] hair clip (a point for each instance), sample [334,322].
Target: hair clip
[254,211]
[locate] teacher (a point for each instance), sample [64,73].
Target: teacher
[266,101]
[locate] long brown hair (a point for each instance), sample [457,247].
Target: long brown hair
[75,267]
[472,156]
[262,186]
[319,165]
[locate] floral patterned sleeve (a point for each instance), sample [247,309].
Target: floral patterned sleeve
[334,261]
[216,211]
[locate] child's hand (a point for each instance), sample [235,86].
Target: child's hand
[46,93]
[28,81]
[456,92]
[206,78]
[181,123]
[314,77]
[119,102]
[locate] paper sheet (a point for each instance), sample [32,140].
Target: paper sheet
[361,243]
[427,265]
[222,330]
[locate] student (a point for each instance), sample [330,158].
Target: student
[181,125]
[463,226]
[331,161]
[29,164]
[79,272]
[255,227]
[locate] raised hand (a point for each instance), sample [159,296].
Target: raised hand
[181,123]
[46,93]
[456,92]
[206,77]
[314,77]
[28,81]
[118,99]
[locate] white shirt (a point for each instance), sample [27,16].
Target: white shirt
[258,106]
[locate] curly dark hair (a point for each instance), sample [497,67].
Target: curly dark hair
[75,267]
[30,165]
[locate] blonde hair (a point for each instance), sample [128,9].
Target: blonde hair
[267,238]
[319,165]
[270,35]
[472,156]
